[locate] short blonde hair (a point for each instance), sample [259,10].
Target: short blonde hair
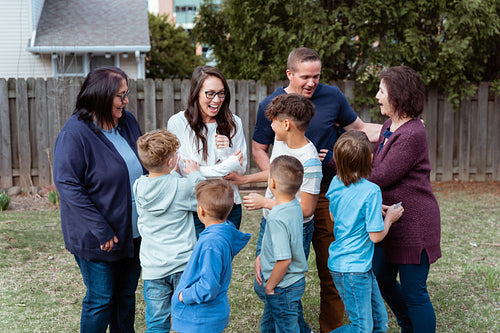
[216,197]
[154,148]
[288,173]
[300,55]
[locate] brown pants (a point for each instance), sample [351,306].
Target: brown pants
[331,310]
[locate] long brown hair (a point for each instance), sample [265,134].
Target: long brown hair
[224,118]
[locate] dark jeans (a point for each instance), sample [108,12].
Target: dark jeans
[259,290]
[234,217]
[110,297]
[408,299]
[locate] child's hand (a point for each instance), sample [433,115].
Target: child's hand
[176,165]
[394,213]
[268,290]
[180,297]
[256,201]
[235,178]
[258,270]
[221,141]
[190,166]
[384,209]
[239,154]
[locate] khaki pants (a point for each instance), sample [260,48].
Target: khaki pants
[331,311]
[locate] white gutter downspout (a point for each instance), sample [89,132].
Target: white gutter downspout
[141,67]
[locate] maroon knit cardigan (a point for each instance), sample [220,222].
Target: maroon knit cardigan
[402,170]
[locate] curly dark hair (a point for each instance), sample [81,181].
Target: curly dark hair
[295,107]
[224,118]
[405,90]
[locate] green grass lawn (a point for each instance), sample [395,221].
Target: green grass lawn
[41,287]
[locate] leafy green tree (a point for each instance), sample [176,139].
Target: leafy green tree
[451,43]
[173,50]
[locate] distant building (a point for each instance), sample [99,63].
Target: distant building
[66,38]
[183,14]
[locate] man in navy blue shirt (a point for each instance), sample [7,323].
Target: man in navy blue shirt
[331,109]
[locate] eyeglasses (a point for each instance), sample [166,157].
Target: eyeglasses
[210,94]
[122,96]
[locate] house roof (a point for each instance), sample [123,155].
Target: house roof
[92,26]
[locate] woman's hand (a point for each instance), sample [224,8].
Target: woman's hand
[235,178]
[221,141]
[109,244]
[239,155]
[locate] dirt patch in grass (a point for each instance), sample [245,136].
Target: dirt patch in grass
[20,203]
[450,188]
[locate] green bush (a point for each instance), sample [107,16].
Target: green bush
[53,197]
[4,201]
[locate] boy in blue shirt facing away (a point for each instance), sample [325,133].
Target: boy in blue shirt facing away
[165,204]
[282,255]
[356,208]
[200,302]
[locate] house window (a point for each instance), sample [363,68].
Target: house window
[69,65]
[101,60]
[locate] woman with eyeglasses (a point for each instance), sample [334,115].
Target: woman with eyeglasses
[210,134]
[95,165]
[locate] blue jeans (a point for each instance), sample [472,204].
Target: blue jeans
[234,217]
[362,301]
[281,310]
[157,295]
[110,297]
[408,299]
[259,290]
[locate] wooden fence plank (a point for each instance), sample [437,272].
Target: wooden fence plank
[5,137]
[52,115]
[482,123]
[168,101]
[431,123]
[496,139]
[464,140]
[32,131]
[132,97]
[234,96]
[23,134]
[243,112]
[185,86]
[42,133]
[448,142]
[149,105]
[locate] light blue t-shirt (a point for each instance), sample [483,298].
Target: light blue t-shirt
[133,165]
[356,210]
[283,240]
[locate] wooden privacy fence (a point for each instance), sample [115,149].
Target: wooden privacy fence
[463,144]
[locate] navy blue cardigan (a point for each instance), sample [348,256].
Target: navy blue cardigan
[94,189]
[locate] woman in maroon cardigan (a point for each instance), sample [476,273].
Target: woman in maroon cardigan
[401,168]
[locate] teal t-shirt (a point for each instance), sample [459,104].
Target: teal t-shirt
[356,210]
[133,165]
[283,240]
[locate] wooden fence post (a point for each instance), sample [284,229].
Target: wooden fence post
[482,125]
[5,137]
